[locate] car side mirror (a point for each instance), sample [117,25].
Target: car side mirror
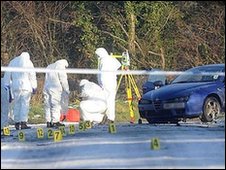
[148,86]
[158,83]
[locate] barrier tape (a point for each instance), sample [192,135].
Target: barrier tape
[96,71]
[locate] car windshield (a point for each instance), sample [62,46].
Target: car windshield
[156,77]
[199,74]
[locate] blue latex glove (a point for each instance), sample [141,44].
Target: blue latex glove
[10,97]
[34,90]
[7,88]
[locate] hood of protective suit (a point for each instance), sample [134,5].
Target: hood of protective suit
[62,62]
[23,60]
[25,56]
[57,81]
[21,80]
[83,82]
[101,52]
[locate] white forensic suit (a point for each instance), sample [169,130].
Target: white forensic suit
[22,86]
[94,103]
[56,86]
[108,80]
[6,104]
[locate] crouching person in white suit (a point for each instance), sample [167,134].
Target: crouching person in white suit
[94,103]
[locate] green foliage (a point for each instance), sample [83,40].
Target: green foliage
[169,30]
[122,111]
[36,114]
[88,32]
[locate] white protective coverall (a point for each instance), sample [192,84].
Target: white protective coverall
[94,103]
[22,84]
[56,85]
[5,105]
[108,80]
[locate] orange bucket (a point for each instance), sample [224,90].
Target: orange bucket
[73,115]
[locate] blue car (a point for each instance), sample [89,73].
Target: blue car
[197,92]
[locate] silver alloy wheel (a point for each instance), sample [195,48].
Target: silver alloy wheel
[211,109]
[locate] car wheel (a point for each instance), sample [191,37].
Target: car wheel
[211,109]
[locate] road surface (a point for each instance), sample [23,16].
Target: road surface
[190,145]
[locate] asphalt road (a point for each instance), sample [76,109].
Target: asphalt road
[190,145]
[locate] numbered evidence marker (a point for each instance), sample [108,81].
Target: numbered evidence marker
[57,135]
[155,144]
[81,126]
[88,124]
[62,129]
[71,129]
[112,128]
[50,133]
[6,131]
[21,136]
[40,133]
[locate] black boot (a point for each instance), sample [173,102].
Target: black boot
[110,121]
[24,125]
[49,124]
[17,125]
[104,120]
[58,124]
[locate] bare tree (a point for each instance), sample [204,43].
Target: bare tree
[201,34]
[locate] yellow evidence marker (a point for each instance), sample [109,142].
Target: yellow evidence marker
[50,133]
[62,129]
[88,124]
[6,131]
[155,144]
[57,135]
[40,133]
[71,129]
[21,136]
[82,126]
[112,128]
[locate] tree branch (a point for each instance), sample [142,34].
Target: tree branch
[115,36]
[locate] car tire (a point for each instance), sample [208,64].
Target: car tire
[211,109]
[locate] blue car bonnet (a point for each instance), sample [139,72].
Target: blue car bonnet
[174,90]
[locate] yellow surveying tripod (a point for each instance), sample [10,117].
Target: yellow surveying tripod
[129,82]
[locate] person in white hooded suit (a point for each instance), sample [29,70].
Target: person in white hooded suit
[22,85]
[6,103]
[94,101]
[108,80]
[56,85]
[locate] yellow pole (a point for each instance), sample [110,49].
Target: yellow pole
[135,87]
[130,99]
[119,82]
[130,83]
